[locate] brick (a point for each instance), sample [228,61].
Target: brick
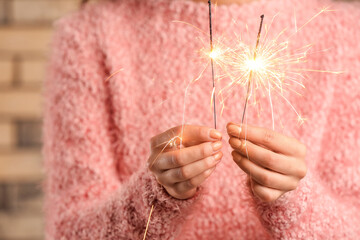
[21,166]
[30,205]
[24,197]
[21,226]
[6,72]
[21,103]
[8,134]
[31,72]
[39,11]
[29,133]
[25,39]
[10,197]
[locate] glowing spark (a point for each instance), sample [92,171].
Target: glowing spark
[255,64]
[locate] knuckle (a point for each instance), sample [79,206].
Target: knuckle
[237,144]
[178,173]
[191,183]
[265,180]
[176,159]
[268,136]
[183,173]
[231,142]
[239,160]
[172,132]
[269,160]
[203,150]
[176,130]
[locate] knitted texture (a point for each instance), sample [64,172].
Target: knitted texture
[97,132]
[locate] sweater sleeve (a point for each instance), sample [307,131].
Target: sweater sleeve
[326,203]
[84,196]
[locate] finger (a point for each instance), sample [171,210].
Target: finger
[183,195]
[190,170]
[190,135]
[194,182]
[182,157]
[265,177]
[268,138]
[268,159]
[264,193]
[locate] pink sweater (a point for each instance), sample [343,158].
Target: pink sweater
[96,133]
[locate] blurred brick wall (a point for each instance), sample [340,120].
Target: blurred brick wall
[25,32]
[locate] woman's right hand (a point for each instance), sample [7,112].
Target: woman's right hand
[182,169]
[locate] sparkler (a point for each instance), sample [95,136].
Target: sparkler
[212,65]
[272,67]
[172,142]
[252,67]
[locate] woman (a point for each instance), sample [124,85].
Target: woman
[97,131]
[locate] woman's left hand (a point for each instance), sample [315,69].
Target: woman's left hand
[274,162]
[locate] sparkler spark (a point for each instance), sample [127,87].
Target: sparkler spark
[255,64]
[272,67]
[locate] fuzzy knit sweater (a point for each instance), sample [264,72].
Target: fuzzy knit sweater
[96,132]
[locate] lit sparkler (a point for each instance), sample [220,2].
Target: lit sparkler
[271,67]
[253,65]
[212,56]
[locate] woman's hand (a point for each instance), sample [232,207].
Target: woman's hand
[274,163]
[182,169]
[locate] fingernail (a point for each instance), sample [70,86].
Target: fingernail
[217,156]
[233,129]
[236,143]
[216,146]
[230,123]
[215,134]
[209,171]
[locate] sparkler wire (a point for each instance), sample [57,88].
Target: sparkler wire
[251,72]
[212,63]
